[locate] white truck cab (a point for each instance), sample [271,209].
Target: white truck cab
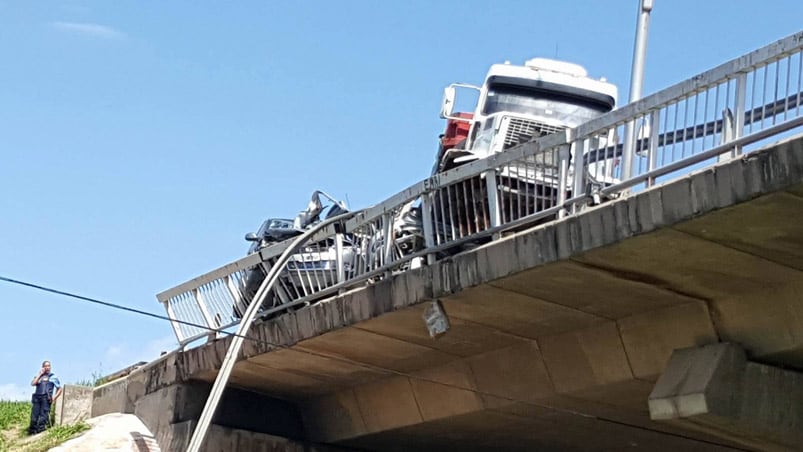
[520,103]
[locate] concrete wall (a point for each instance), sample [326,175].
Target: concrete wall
[244,420]
[75,404]
[238,409]
[112,398]
[228,439]
[262,423]
[120,396]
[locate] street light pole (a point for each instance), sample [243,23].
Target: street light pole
[640,50]
[636,81]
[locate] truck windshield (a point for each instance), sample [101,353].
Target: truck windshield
[566,109]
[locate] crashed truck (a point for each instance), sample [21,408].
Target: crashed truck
[516,104]
[320,261]
[315,266]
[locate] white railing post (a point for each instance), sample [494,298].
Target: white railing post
[236,295]
[628,150]
[726,135]
[738,119]
[196,294]
[426,219]
[579,158]
[176,326]
[493,198]
[341,271]
[652,153]
[564,155]
[387,223]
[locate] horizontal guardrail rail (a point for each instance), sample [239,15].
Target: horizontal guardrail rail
[717,115]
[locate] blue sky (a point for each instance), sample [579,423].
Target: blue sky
[140,140]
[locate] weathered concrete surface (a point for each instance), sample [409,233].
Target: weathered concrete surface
[169,410]
[717,387]
[243,410]
[75,404]
[112,398]
[114,432]
[228,439]
[560,331]
[120,396]
[570,378]
[530,430]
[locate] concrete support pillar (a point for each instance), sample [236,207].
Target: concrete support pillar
[716,388]
[75,404]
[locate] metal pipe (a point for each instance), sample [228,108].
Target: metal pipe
[199,435]
[636,81]
[640,50]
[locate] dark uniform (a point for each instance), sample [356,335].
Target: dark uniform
[42,399]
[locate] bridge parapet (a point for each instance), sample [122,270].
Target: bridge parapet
[581,280]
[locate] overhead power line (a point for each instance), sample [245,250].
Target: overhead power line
[115,306]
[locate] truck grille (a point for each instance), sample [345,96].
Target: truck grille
[521,130]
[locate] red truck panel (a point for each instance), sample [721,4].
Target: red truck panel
[456,131]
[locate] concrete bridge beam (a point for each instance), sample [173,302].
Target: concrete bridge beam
[716,388]
[606,371]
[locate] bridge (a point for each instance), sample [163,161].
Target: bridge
[660,312]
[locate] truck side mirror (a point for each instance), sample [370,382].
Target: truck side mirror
[251,237]
[449,96]
[447,105]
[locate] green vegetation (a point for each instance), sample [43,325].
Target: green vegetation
[14,420]
[53,437]
[96,379]
[14,413]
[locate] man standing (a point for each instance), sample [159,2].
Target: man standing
[45,382]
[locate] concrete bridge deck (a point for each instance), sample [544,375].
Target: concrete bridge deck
[560,333]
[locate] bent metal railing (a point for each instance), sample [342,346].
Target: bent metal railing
[261,293]
[717,115]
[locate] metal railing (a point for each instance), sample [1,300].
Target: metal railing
[716,115]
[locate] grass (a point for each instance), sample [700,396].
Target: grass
[14,413]
[53,437]
[14,420]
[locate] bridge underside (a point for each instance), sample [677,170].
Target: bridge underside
[558,334]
